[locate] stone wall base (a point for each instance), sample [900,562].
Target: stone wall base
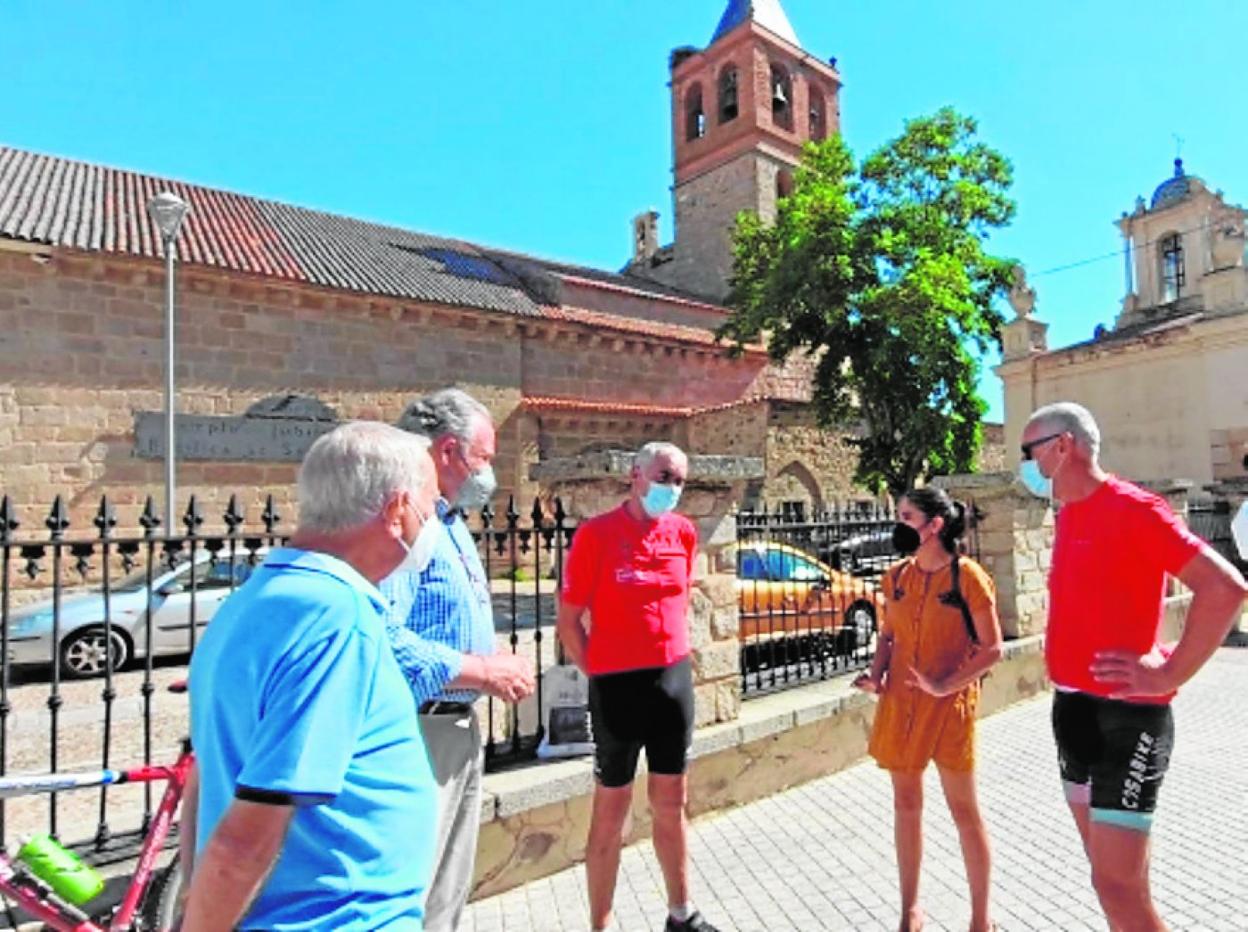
[535,820]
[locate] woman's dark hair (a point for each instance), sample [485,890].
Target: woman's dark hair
[935,503]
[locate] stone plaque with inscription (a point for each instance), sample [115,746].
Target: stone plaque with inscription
[277,429]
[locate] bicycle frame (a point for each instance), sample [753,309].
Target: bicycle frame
[37,899]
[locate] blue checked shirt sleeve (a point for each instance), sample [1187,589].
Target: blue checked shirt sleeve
[428,665]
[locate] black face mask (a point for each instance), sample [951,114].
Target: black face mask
[906,539]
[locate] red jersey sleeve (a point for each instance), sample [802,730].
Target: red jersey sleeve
[581,565]
[1165,536]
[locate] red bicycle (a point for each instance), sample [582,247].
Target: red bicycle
[151,900]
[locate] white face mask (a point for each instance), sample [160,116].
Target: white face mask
[420,551]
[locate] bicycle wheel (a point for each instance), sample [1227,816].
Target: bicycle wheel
[163,898]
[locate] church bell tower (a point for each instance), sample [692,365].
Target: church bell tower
[741,109]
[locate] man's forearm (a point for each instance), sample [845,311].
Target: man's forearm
[474,673]
[572,633]
[234,865]
[1218,593]
[1209,619]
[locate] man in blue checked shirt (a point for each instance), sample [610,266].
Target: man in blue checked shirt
[441,626]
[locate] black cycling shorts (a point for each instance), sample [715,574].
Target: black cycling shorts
[650,708]
[1113,755]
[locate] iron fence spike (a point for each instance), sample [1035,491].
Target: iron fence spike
[8,519]
[233,515]
[58,518]
[149,520]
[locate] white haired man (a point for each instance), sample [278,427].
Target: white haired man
[1113,679]
[630,569]
[312,800]
[441,626]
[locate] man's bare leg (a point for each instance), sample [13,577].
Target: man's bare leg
[602,852]
[1120,866]
[671,834]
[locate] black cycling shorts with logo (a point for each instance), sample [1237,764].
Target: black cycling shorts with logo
[650,708]
[1113,755]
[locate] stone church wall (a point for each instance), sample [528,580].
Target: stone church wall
[81,353]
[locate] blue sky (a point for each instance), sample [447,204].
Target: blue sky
[544,127]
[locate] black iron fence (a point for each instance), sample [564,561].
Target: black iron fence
[95,623]
[525,564]
[90,624]
[1211,519]
[808,591]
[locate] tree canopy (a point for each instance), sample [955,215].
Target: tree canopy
[879,270]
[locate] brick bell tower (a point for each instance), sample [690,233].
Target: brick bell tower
[741,110]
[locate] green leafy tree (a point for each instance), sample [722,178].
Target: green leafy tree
[879,271]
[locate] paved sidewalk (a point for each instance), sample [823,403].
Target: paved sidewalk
[820,856]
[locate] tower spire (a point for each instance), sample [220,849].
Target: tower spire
[767,13]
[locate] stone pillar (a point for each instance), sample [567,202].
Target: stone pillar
[595,482]
[1234,491]
[1015,536]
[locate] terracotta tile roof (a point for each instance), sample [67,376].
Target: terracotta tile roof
[61,202]
[582,406]
[676,332]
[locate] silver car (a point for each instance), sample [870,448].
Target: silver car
[82,629]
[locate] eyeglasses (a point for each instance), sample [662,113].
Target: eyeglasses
[1026,448]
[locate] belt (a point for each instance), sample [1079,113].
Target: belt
[439,707]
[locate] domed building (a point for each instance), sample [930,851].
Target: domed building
[1169,381]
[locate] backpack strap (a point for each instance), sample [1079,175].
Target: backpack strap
[957,596]
[898,569]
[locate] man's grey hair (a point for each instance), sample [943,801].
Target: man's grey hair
[350,473]
[447,411]
[653,450]
[1068,416]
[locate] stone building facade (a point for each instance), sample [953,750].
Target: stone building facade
[1167,382]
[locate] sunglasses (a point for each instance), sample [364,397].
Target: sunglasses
[1026,448]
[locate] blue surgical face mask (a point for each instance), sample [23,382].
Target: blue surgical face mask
[660,499]
[1038,484]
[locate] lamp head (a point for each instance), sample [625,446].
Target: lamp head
[167,211]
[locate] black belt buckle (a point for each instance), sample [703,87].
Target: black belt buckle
[441,707]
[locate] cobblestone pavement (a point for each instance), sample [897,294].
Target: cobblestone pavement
[820,856]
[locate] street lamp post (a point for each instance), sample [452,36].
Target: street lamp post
[167,211]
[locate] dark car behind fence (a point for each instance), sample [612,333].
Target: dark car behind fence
[95,624]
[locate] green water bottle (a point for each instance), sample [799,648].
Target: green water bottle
[60,869]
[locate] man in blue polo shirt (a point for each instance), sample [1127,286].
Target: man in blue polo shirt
[312,804]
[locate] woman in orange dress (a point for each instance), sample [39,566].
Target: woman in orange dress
[926,672]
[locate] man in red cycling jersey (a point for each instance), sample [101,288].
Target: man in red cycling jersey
[1113,680]
[630,570]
